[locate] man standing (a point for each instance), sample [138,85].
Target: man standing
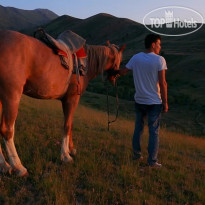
[150,95]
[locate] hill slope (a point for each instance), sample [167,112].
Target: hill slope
[103,172]
[18,19]
[58,25]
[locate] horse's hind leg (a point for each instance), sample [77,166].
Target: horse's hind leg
[69,105]
[10,109]
[4,166]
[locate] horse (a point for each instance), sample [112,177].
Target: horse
[27,66]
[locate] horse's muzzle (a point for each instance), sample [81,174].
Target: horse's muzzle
[112,75]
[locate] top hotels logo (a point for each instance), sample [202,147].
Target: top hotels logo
[173,21]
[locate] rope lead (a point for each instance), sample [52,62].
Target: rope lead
[117,105]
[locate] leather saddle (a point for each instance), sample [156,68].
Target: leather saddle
[66,42]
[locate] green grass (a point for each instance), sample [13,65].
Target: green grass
[103,171]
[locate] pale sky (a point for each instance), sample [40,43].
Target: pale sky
[131,9]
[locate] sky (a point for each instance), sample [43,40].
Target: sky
[131,9]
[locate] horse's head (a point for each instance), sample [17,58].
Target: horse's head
[114,61]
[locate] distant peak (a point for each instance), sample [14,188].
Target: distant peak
[39,9]
[105,14]
[65,16]
[101,15]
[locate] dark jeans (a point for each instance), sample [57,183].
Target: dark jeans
[153,114]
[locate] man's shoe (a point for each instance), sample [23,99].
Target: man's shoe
[137,157]
[155,165]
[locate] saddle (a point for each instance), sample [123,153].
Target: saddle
[65,43]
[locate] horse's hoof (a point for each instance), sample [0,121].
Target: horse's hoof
[73,152]
[5,168]
[66,158]
[21,171]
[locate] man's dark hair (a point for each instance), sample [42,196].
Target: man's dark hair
[151,38]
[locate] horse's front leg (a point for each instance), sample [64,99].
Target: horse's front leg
[67,149]
[4,166]
[9,113]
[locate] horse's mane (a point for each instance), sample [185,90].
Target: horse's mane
[98,57]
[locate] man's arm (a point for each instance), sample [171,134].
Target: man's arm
[118,73]
[163,89]
[123,71]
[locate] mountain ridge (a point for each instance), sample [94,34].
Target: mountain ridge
[19,19]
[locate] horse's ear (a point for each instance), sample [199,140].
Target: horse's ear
[108,42]
[122,48]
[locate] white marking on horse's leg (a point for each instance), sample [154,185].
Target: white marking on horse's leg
[2,159]
[65,156]
[14,158]
[4,166]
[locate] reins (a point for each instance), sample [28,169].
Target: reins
[113,47]
[108,107]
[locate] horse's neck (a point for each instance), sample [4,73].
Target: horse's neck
[97,60]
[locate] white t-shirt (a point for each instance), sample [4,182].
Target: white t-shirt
[145,67]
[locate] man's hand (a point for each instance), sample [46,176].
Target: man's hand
[165,107]
[163,90]
[118,73]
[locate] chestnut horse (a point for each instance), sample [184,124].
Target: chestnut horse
[29,67]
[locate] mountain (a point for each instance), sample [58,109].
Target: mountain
[107,27]
[98,28]
[58,25]
[18,19]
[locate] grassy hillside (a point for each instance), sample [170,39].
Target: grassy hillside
[103,172]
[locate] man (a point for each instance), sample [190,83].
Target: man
[150,95]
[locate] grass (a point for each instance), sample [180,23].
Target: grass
[103,172]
